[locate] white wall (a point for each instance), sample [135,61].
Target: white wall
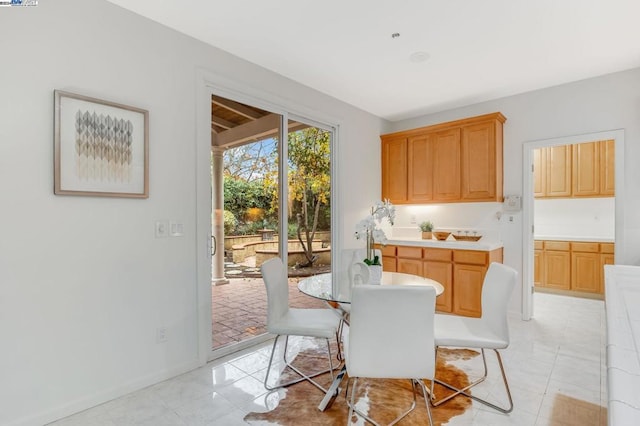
[83,282]
[589,106]
[575,217]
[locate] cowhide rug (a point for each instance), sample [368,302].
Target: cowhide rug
[383,400]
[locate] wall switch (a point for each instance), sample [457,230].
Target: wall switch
[161,335]
[176,229]
[162,229]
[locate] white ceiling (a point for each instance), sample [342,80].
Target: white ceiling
[478,50]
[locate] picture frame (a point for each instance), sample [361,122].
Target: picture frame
[101,148]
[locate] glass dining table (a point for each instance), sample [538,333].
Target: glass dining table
[321,287]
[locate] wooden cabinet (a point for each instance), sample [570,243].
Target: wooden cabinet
[443,273]
[580,170]
[586,169]
[571,266]
[394,170]
[458,161]
[461,273]
[438,266]
[606,258]
[537,263]
[388,258]
[409,260]
[419,177]
[446,165]
[558,182]
[467,287]
[481,175]
[557,265]
[607,167]
[585,267]
[540,172]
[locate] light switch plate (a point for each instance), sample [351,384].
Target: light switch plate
[176,229]
[162,229]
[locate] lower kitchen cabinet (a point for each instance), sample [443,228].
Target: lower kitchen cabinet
[557,269]
[461,273]
[443,273]
[467,288]
[571,265]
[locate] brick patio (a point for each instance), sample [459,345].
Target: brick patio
[239,309]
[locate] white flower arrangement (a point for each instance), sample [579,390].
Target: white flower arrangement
[368,229]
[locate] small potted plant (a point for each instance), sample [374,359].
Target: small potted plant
[426,227]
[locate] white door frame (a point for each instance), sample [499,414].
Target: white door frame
[528,211]
[207,84]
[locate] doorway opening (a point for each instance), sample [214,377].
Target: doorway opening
[573,207]
[269,199]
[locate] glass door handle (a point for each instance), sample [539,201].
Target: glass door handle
[214,245]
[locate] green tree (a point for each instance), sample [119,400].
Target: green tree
[309,183]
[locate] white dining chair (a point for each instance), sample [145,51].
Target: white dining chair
[391,337]
[490,331]
[353,271]
[285,321]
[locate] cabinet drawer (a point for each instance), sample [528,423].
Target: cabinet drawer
[537,245]
[606,248]
[585,247]
[442,255]
[556,245]
[388,250]
[470,257]
[410,252]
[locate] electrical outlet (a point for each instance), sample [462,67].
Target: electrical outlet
[161,335]
[162,229]
[413,219]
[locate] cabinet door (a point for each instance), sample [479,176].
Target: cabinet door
[557,269]
[409,266]
[479,153]
[586,169]
[585,272]
[443,273]
[605,259]
[537,268]
[607,167]
[446,165]
[558,171]
[539,172]
[394,170]
[420,172]
[467,289]
[389,264]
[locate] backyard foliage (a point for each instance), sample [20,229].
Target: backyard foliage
[251,186]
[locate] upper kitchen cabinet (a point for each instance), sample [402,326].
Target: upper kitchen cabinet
[394,166]
[607,167]
[481,155]
[579,170]
[458,161]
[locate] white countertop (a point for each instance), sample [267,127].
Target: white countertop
[574,238]
[622,288]
[449,243]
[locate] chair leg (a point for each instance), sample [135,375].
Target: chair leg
[303,376]
[464,390]
[425,392]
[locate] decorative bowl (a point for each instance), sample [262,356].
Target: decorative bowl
[467,237]
[441,235]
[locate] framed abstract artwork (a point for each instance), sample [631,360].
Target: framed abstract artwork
[101,148]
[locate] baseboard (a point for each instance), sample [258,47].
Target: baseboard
[57,413]
[573,293]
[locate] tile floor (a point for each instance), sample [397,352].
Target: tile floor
[239,309]
[555,364]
